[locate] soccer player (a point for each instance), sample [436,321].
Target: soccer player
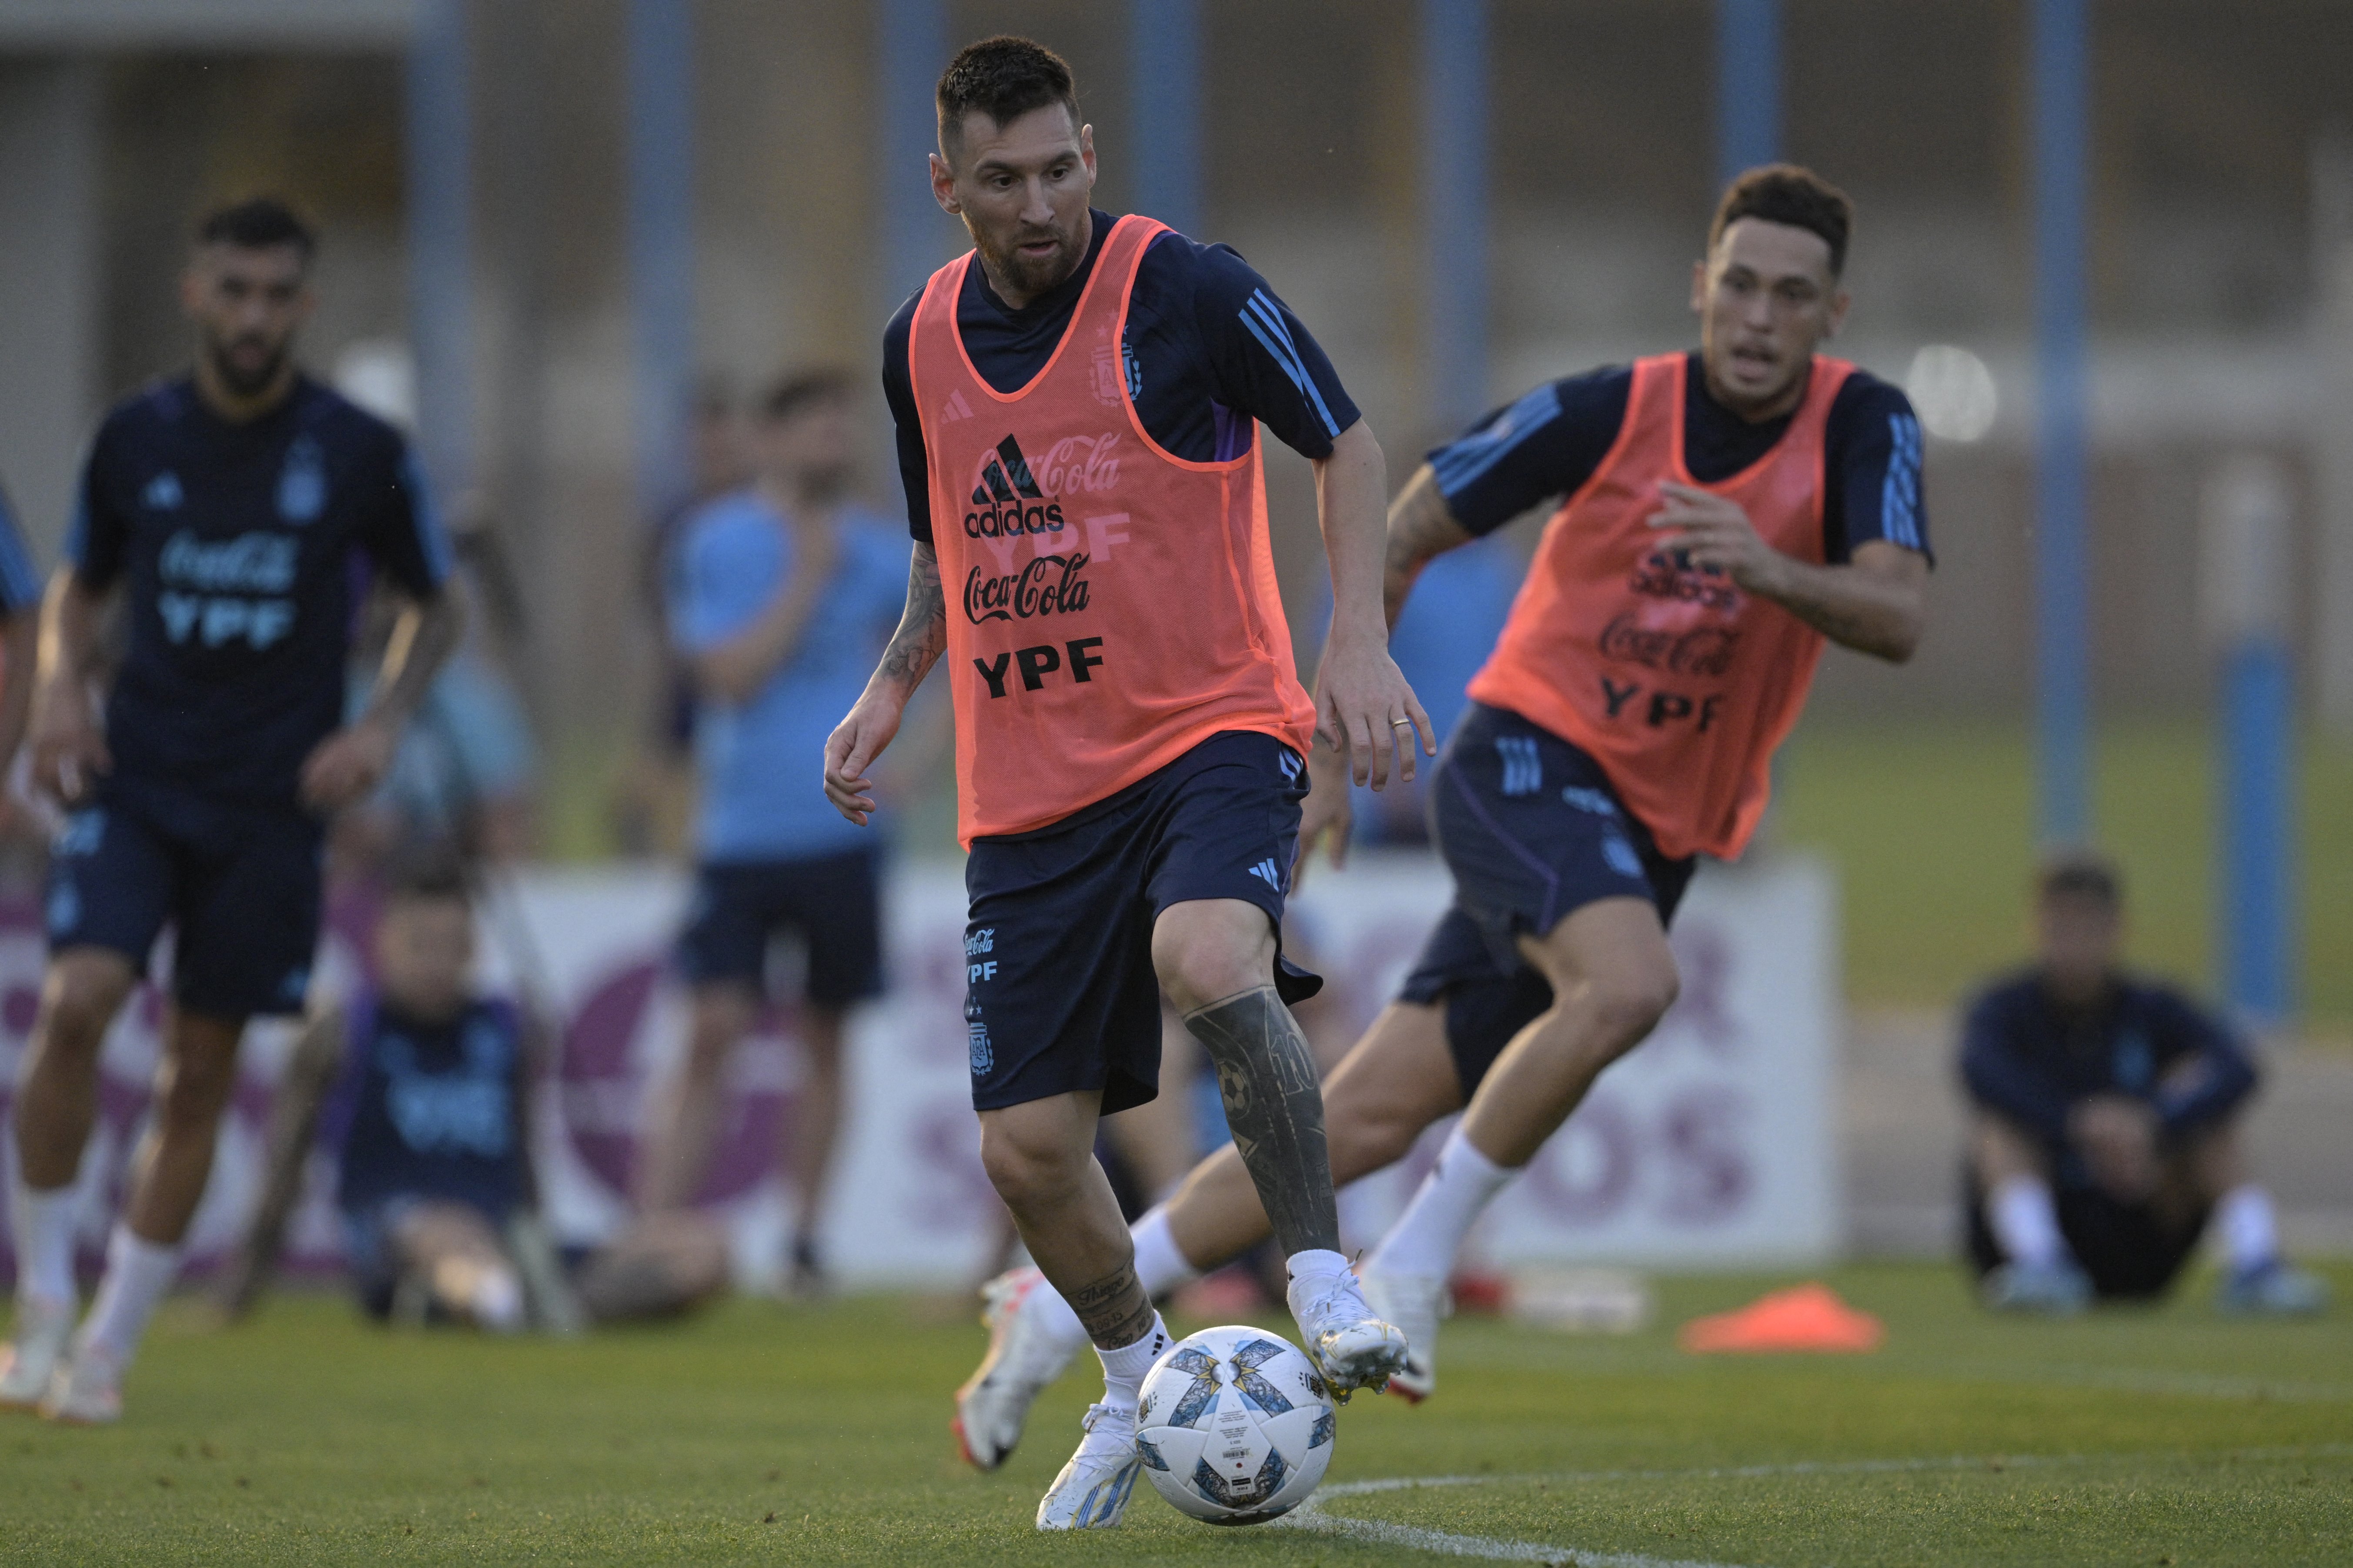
[781,593]
[1076,399]
[1726,512]
[20,605]
[227,505]
[2105,1131]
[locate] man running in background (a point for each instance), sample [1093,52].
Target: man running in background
[1726,512]
[1076,400]
[781,595]
[228,504]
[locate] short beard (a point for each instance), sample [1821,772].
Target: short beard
[244,383]
[1033,278]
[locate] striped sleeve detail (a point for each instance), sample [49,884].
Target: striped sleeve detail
[432,539]
[1461,464]
[20,581]
[1899,494]
[1264,317]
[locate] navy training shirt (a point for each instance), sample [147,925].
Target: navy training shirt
[20,580]
[429,1110]
[1208,350]
[238,544]
[1549,443]
[2028,1059]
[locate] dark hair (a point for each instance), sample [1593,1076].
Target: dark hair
[429,874]
[263,223]
[801,389]
[2081,874]
[1787,193]
[1004,77]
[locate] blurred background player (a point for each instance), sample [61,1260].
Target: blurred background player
[420,1087]
[2104,1126]
[781,595]
[1727,511]
[1128,780]
[20,624]
[229,503]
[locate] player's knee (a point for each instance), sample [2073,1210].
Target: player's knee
[196,1089]
[1028,1170]
[1627,1004]
[79,1000]
[1206,952]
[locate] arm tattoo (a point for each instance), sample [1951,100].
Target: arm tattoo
[923,634]
[1114,1309]
[1267,1079]
[1421,527]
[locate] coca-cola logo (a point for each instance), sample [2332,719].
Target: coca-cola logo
[1046,586]
[1671,575]
[1696,650]
[1080,463]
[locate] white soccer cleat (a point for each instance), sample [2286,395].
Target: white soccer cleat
[1092,1491]
[1350,1344]
[1023,1357]
[42,1329]
[1415,1303]
[86,1390]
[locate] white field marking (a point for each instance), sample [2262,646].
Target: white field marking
[1310,1515]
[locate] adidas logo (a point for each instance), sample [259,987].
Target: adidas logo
[954,408]
[1522,766]
[1008,501]
[1265,872]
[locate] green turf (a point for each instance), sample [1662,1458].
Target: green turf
[1931,827]
[757,1434]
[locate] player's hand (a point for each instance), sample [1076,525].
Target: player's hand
[69,752]
[1327,815]
[1715,535]
[2118,1136]
[852,749]
[1364,706]
[347,765]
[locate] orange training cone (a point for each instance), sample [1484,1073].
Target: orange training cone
[1805,1318]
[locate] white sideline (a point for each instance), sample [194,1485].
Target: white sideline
[1310,1515]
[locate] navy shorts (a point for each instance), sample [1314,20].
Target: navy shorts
[2131,1251]
[832,902]
[1060,995]
[1532,832]
[239,885]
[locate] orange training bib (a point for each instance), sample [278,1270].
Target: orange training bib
[1110,606]
[1678,683]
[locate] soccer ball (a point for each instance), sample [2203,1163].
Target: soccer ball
[1235,1426]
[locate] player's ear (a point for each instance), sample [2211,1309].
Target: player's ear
[944,185]
[1699,286]
[192,287]
[1087,151]
[1839,301]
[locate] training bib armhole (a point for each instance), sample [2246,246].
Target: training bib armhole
[1154,230]
[1616,455]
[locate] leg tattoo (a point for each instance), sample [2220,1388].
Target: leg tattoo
[1115,1310]
[1267,1080]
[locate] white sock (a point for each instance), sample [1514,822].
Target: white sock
[1123,1368]
[2250,1228]
[1456,1192]
[43,1224]
[1160,1264]
[137,1274]
[2025,1221]
[497,1301]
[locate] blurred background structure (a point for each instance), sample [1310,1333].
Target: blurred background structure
[2107,248]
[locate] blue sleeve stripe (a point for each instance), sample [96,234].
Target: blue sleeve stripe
[1899,494]
[1464,463]
[432,539]
[20,581]
[1261,316]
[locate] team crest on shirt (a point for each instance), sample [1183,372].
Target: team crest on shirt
[302,483]
[977,1039]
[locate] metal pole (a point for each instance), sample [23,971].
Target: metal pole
[1747,86]
[912,49]
[661,200]
[1454,206]
[441,242]
[1165,89]
[2059,71]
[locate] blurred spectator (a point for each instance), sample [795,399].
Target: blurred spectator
[655,801]
[2105,1126]
[429,1119]
[783,595]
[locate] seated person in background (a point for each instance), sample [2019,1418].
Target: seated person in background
[426,1086]
[2104,1126]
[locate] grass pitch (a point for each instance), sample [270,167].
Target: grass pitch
[759,1433]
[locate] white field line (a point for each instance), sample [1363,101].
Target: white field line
[1311,1515]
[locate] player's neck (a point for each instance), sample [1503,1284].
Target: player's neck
[230,406]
